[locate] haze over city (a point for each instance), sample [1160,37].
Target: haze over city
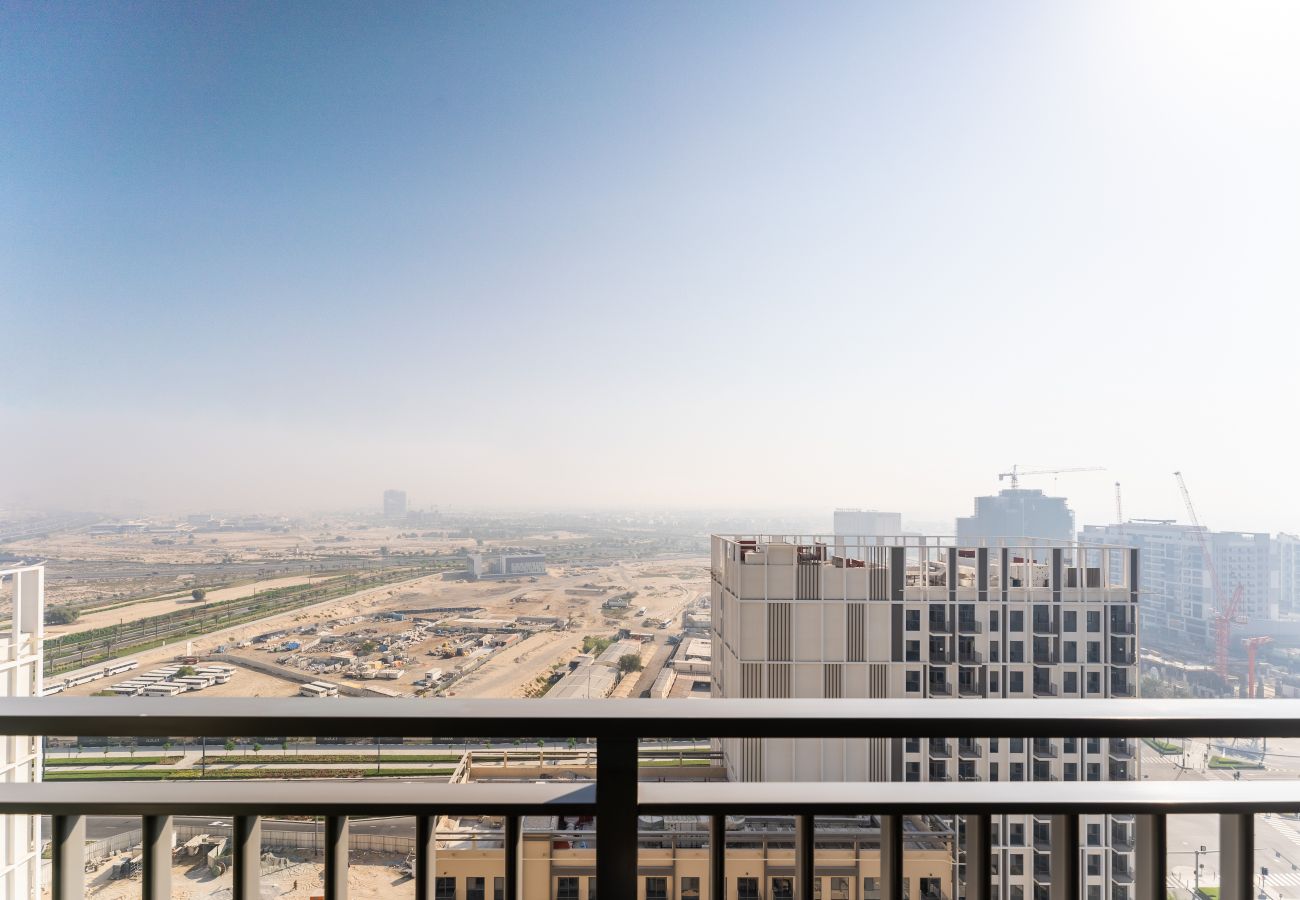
[650,256]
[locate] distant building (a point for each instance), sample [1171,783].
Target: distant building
[506,565]
[1177,608]
[1285,566]
[394,504]
[867,521]
[1017,513]
[20,757]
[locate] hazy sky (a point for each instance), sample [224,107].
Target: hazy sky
[553,254]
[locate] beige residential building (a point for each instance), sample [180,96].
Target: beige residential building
[920,617]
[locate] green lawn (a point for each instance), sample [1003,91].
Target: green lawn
[320,759]
[1163,747]
[1224,762]
[112,761]
[241,774]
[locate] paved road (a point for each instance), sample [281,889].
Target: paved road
[98,827]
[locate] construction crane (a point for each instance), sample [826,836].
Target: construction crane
[1225,613]
[1016,473]
[1252,644]
[1119,509]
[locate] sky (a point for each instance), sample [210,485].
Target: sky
[771,255]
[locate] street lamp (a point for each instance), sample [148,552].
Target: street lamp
[1196,870]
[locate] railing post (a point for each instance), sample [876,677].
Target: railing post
[1237,856]
[426,854]
[805,856]
[513,849]
[156,880]
[68,857]
[979,850]
[336,858]
[616,823]
[248,858]
[1151,856]
[717,858]
[891,857]
[1065,858]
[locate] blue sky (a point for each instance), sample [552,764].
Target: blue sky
[767,255]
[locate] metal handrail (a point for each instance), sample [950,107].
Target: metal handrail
[616,798]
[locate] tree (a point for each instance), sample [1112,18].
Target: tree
[199,595]
[629,662]
[257,748]
[230,745]
[383,550]
[60,615]
[186,672]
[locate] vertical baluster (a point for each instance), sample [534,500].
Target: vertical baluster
[513,848]
[248,858]
[1151,855]
[1237,856]
[979,850]
[616,823]
[1065,858]
[891,857]
[156,881]
[805,856]
[426,854]
[717,858]
[68,857]
[336,858]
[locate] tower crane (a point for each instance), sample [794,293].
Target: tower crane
[1119,509]
[1016,472]
[1225,612]
[1253,644]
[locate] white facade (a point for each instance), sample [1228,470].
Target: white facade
[859,617]
[1286,573]
[23,593]
[868,521]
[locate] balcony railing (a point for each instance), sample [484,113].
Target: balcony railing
[616,799]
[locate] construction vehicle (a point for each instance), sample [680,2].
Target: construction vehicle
[1225,612]
[1017,473]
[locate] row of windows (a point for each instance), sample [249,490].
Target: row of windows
[657,887]
[1015,618]
[1016,682]
[1042,771]
[1015,651]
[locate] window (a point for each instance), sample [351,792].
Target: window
[912,651]
[747,889]
[1017,745]
[475,888]
[1017,652]
[1094,771]
[993,771]
[1094,682]
[1017,682]
[1017,838]
[1094,621]
[690,888]
[1071,687]
[913,681]
[566,888]
[656,888]
[1094,863]
[1017,861]
[871,889]
[1094,892]
[1094,835]
[1094,651]
[1070,651]
[1094,745]
[994,684]
[1071,745]
[1017,620]
[994,622]
[913,772]
[591,888]
[1017,771]
[782,889]
[912,620]
[913,745]
[993,745]
[1071,622]
[993,651]
[839,887]
[444,889]
[499,888]
[931,888]
[1071,771]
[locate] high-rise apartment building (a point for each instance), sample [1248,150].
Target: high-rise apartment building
[868,522]
[394,504]
[1176,585]
[20,757]
[1017,513]
[1285,567]
[926,617]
